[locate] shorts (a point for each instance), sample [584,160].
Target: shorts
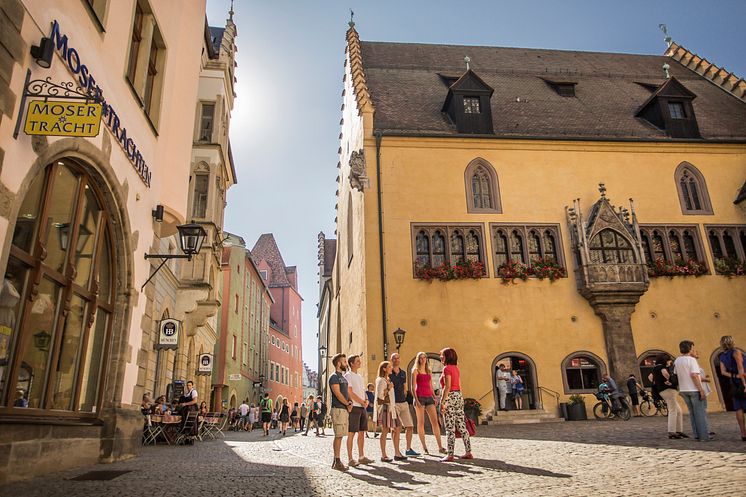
[403,414]
[635,399]
[386,420]
[340,421]
[266,417]
[358,420]
[426,401]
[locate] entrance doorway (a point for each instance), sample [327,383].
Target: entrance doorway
[722,383]
[526,369]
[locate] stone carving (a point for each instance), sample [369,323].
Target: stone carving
[358,178]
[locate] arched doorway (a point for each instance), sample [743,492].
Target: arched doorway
[722,384]
[647,363]
[57,300]
[525,367]
[233,400]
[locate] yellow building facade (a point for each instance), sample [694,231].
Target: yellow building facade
[513,177]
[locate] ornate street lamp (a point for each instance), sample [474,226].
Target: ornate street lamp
[191,238]
[322,352]
[399,338]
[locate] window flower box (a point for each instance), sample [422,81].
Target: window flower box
[690,267]
[541,268]
[462,270]
[730,266]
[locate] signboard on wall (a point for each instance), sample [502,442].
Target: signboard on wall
[234,377]
[204,364]
[63,118]
[168,334]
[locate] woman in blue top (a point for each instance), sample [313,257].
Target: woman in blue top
[732,365]
[516,382]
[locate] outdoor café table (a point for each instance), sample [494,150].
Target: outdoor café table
[170,426]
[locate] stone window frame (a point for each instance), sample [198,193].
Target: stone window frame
[704,195]
[646,230]
[737,233]
[448,229]
[97,9]
[525,228]
[601,367]
[494,187]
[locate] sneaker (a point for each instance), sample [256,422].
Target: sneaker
[468,455]
[365,460]
[339,466]
[400,458]
[442,451]
[352,463]
[411,453]
[448,459]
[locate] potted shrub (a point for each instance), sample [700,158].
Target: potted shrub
[576,408]
[472,409]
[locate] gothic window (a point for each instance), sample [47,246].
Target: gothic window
[524,243]
[482,190]
[206,122]
[201,187]
[672,244]
[692,190]
[609,247]
[581,372]
[58,301]
[434,245]
[728,244]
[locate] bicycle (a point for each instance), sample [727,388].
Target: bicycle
[602,410]
[650,407]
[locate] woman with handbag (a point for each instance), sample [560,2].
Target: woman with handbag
[452,404]
[385,407]
[733,365]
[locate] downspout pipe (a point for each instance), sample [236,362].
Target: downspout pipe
[382,266]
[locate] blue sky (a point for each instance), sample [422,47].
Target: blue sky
[285,124]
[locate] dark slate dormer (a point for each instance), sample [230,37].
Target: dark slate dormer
[468,104]
[670,109]
[563,88]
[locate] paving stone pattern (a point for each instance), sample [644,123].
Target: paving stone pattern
[597,458]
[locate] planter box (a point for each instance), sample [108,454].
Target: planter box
[576,412]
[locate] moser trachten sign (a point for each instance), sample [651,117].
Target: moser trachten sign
[59,118]
[205,364]
[168,334]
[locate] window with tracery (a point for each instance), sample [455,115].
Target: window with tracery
[692,190]
[728,246]
[672,244]
[524,243]
[609,247]
[435,245]
[482,191]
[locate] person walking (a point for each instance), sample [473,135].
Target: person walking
[321,417]
[284,416]
[294,417]
[266,407]
[502,377]
[243,411]
[733,366]
[313,414]
[385,406]
[399,380]
[341,407]
[452,404]
[634,388]
[689,375]
[424,401]
[371,396]
[358,420]
[252,417]
[663,384]
[303,415]
[517,385]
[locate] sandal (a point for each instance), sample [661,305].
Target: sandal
[386,459]
[674,435]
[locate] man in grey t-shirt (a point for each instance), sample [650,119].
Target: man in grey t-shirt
[341,407]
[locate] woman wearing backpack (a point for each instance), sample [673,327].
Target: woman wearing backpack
[732,365]
[664,384]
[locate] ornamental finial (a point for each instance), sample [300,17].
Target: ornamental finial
[467,59]
[230,12]
[602,189]
[666,67]
[664,28]
[352,19]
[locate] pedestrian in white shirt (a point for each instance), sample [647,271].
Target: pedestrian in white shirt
[691,390]
[503,377]
[244,410]
[358,418]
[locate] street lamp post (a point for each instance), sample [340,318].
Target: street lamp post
[399,338]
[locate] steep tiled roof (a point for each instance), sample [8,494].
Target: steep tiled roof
[266,249]
[408,85]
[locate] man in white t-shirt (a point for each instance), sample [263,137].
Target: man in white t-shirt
[691,390]
[243,409]
[358,418]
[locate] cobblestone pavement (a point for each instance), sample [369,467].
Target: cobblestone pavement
[580,458]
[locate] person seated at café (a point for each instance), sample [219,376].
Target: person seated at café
[161,406]
[203,408]
[146,404]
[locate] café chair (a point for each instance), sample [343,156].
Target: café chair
[186,435]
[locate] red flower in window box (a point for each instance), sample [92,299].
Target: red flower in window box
[730,266]
[661,267]
[445,272]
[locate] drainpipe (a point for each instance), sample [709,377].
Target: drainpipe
[379,136]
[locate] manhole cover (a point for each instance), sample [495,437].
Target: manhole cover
[99,475]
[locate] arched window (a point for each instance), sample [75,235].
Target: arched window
[473,248]
[482,189]
[500,243]
[692,190]
[439,248]
[550,246]
[458,253]
[534,246]
[609,247]
[516,247]
[422,247]
[647,363]
[57,295]
[581,372]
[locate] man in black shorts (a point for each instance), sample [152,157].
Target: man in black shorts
[358,418]
[266,405]
[634,388]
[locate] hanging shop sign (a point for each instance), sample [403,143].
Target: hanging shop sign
[204,364]
[59,118]
[168,334]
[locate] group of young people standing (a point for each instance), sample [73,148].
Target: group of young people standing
[351,407]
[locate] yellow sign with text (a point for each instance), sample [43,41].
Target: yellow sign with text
[55,118]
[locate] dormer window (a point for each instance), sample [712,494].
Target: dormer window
[563,88]
[471,105]
[676,110]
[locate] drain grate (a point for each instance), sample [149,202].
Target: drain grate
[99,475]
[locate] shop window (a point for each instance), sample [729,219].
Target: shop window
[435,245]
[692,189]
[206,122]
[146,60]
[53,347]
[201,188]
[482,193]
[581,372]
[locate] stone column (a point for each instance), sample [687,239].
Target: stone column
[620,344]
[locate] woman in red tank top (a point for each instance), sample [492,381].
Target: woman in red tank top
[424,400]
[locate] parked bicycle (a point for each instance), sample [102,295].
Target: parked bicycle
[605,408]
[650,407]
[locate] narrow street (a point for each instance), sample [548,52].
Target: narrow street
[573,458]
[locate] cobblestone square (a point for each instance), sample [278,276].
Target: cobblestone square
[573,458]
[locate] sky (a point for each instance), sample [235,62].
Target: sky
[285,124]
